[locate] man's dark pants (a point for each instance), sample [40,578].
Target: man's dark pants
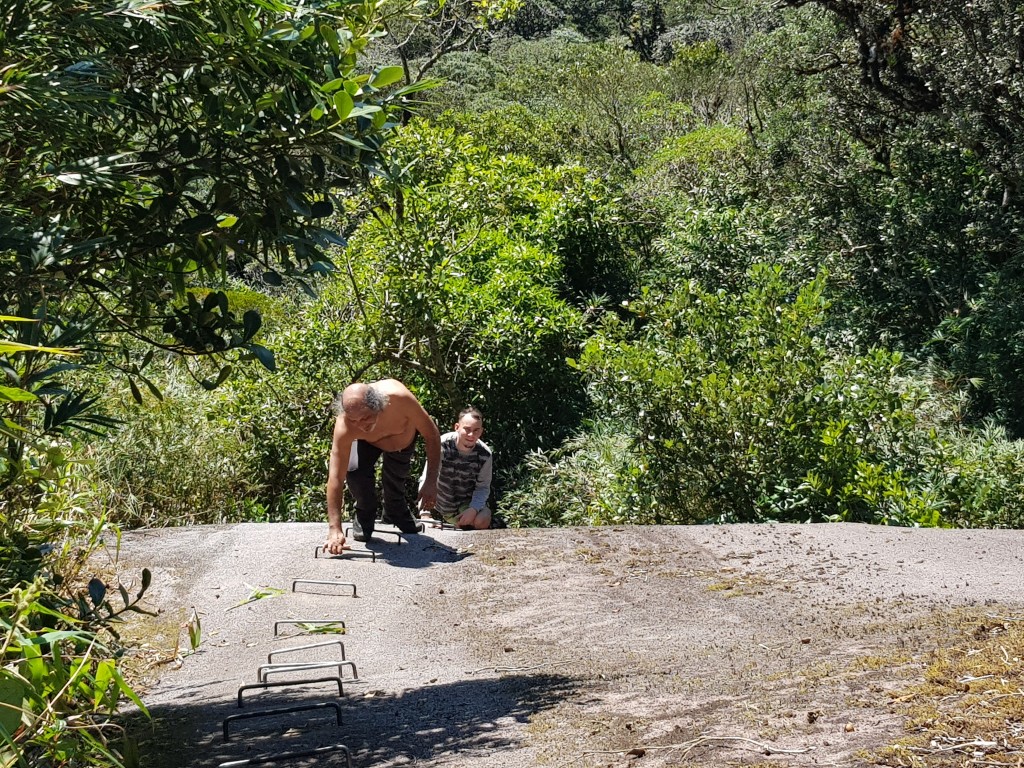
[362,484]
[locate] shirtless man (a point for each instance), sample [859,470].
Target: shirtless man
[374,419]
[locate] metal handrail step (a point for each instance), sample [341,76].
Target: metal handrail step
[324,644]
[286,683]
[303,666]
[279,622]
[330,582]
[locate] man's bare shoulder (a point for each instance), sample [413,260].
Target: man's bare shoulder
[393,388]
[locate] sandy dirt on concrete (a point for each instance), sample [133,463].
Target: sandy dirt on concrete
[642,646]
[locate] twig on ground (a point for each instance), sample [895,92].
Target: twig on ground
[976,744]
[1004,618]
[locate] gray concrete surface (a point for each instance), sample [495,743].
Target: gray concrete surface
[706,645]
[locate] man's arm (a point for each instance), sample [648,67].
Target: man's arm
[337,471]
[483,485]
[432,443]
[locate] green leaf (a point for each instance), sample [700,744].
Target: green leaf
[364,109]
[251,322]
[197,224]
[343,104]
[97,591]
[328,33]
[422,85]
[264,355]
[283,30]
[12,695]
[101,680]
[15,347]
[188,144]
[258,593]
[322,629]
[136,394]
[211,384]
[385,76]
[153,388]
[127,691]
[15,395]
[321,209]
[195,631]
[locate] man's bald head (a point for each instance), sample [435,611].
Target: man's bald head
[360,397]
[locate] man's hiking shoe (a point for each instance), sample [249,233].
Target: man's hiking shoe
[410,526]
[358,532]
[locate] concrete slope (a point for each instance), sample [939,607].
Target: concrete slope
[584,647]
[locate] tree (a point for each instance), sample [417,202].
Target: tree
[420,34]
[147,149]
[911,180]
[463,290]
[738,410]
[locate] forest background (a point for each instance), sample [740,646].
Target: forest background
[696,262]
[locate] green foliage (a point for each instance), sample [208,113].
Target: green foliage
[510,129]
[984,342]
[911,191]
[588,480]
[133,174]
[286,416]
[424,34]
[466,77]
[611,108]
[174,462]
[683,175]
[979,475]
[740,413]
[461,286]
[137,171]
[719,246]
[58,637]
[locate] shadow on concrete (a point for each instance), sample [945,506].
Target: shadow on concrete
[412,550]
[405,551]
[425,723]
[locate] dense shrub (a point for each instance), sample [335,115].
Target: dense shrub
[174,461]
[739,411]
[978,476]
[58,642]
[588,480]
